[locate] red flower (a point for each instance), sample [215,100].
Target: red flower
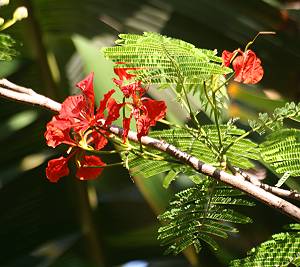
[87,168]
[146,111]
[128,88]
[57,168]
[247,65]
[74,126]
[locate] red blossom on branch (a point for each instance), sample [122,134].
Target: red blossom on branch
[145,110]
[127,87]
[74,126]
[247,65]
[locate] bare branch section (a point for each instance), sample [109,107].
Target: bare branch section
[253,188]
[26,95]
[272,189]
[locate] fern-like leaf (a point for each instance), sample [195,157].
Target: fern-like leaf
[164,60]
[6,51]
[283,249]
[274,122]
[200,214]
[282,151]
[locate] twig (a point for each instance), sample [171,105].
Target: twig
[272,189]
[237,181]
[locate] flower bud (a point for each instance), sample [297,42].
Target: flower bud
[1,21]
[4,2]
[20,13]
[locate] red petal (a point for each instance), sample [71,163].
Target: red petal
[113,109]
[143,124]
[99,140]
[88,168]
[248,68]
[103,103]
[126,126]
[72,107]
[129,88]
[86,85]
[156,110]
[58,132]
[57,168]
[122,73]
[227,56]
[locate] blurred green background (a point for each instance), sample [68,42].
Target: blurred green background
[112,221]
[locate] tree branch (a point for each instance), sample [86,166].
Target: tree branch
[26,95]
[251,187]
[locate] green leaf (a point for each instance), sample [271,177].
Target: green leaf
[6,47]
[282,151]
[274,122]
[283,179]
[199,214]
[281,250]
[164,60]
[169,178]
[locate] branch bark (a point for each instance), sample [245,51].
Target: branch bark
[260,191]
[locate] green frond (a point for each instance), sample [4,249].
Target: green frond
[282,151]
[198,215]
[6,47]
[274,122]
[283,249]
[169,178]
[165,60]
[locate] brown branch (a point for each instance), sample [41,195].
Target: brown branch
[26,95]
[272,189]
[237,181]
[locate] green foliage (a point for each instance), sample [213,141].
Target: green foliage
[199,214]
[204,92]
[275,121]
[164,60]
[283,249]
[201,145]
[6,47]
[282,151]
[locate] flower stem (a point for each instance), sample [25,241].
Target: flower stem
[106,165]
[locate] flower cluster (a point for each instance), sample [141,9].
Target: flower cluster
[84,128]
[145,110]
[247,65]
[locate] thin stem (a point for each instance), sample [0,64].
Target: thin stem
[253,40]
[124,116]
[216,115]
[102,152]
[193,118]
[224,83]
[7,24]
[207,96]
[183,102]
[254,130]
[106,165]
